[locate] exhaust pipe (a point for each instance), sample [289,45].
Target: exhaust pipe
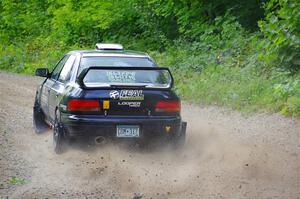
[100,140]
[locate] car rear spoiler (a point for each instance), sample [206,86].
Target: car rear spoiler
[83,73]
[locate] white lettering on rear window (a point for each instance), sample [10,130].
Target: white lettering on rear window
[121,76]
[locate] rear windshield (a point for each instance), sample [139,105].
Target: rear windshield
[111,77]
[115,61]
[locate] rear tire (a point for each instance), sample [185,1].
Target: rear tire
[39,123]
[58,137]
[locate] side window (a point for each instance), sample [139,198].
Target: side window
[65,72]
[58,67]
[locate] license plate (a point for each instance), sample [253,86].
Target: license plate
[127,131]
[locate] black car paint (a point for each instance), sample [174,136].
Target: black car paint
[53,96]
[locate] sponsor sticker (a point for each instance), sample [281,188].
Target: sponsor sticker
[130,104]
[132,95]
[127,95]
[114,94]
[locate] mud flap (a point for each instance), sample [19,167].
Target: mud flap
[179,140]
[183,128]
[39,120]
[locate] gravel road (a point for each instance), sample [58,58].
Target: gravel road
[227,155]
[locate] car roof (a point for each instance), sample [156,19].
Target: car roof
[111,53]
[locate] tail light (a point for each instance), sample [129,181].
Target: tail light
[167,106]
[83,105]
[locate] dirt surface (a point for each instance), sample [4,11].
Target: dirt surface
[227,155]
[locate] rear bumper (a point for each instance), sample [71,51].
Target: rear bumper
[95,125]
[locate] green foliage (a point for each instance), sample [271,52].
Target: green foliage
[17,181]
[82,21]
[292,106]
[211,73]
[283,91]
[281,30]
[238,53]
[290,93]
[21,20]
[25,58]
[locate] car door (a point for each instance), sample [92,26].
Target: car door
[45,92]
[49,84]
[59,82]
[45,97]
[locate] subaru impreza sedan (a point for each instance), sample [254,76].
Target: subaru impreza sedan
[108,93]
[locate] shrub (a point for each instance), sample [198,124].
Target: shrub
[281,31]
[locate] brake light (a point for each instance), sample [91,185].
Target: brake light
[168,106]
[83,105]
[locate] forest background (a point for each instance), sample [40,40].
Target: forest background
[241,54]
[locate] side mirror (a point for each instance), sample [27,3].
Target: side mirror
[42,72]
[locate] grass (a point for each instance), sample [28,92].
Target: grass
[234,78]
[240,83]
[17,181]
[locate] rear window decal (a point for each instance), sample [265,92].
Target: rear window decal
[121,76]
[154,78]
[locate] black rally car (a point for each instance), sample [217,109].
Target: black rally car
[108,93]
